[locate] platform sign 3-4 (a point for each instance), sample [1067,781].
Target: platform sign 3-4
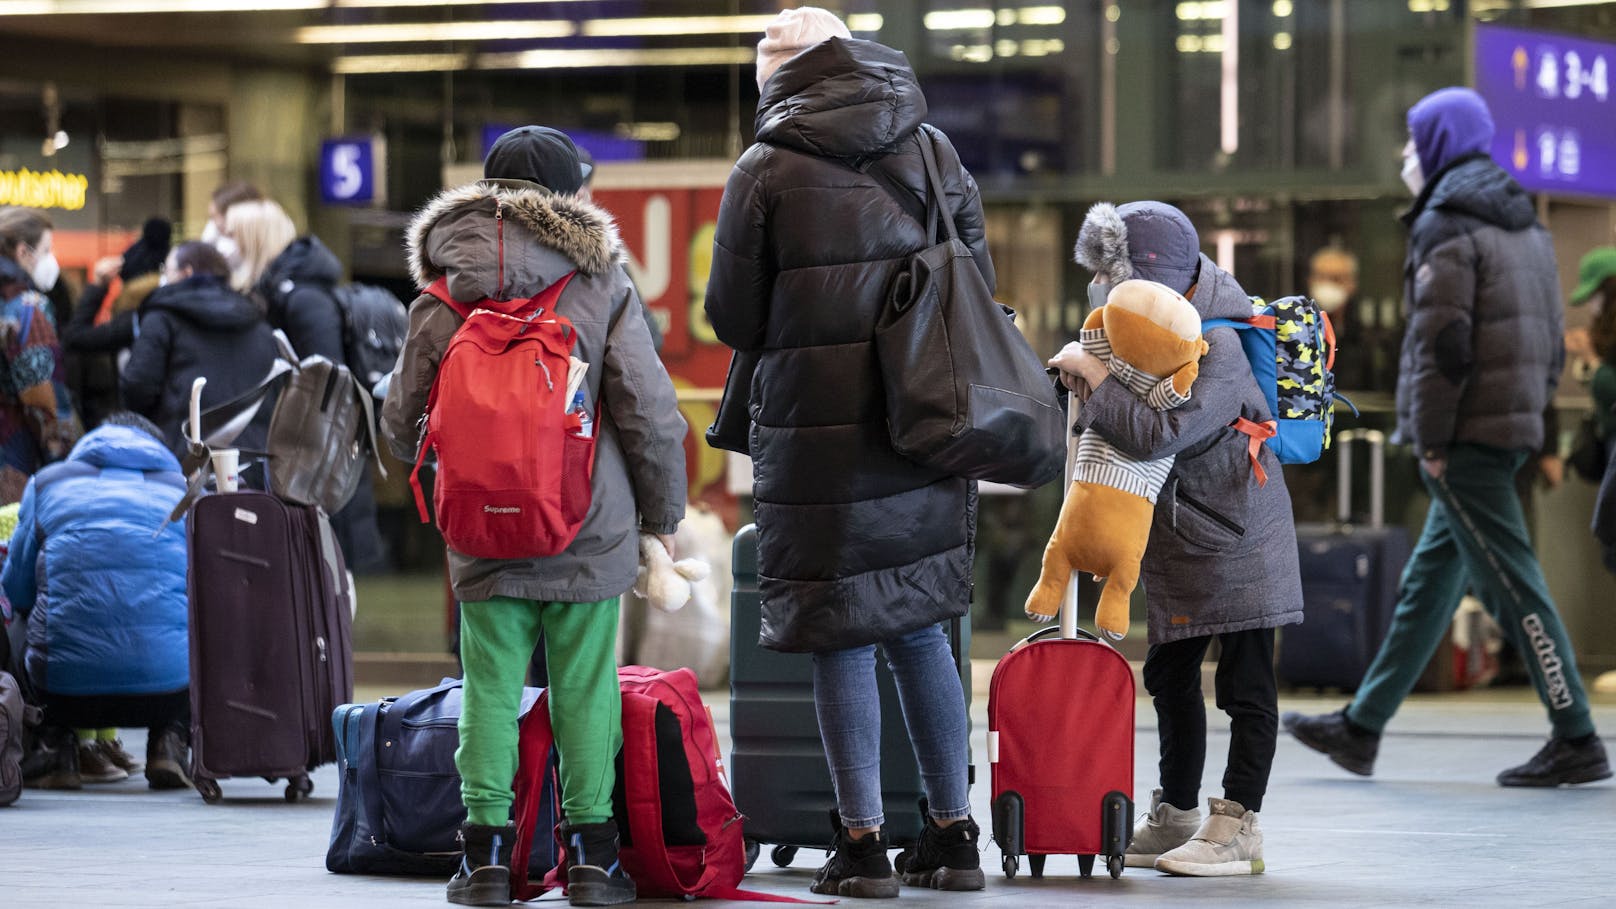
[1551,98]
[350,171]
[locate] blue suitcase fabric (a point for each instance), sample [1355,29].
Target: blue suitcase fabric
[398,805]
[1349,591]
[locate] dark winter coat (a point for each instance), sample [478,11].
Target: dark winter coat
[639,479]
[299,288]
[1222,554]
[93,350]
[198,327]
[100,573]
[855,543]
[1485,339]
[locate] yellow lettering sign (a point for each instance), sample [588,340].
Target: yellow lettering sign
[36,189]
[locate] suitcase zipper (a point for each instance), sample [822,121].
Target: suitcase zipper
[1207,511]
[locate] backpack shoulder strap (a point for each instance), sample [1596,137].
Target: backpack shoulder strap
[440,289]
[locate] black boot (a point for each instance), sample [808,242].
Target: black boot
[168,758]
[484,878]
[945,858]
[594,875]
[54,762]
[1352,747]
[1561,762]
[857,868]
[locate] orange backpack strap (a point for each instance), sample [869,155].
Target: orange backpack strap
[1256,434]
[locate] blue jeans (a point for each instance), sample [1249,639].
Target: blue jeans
[849,708]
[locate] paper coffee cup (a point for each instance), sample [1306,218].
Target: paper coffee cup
[226,466]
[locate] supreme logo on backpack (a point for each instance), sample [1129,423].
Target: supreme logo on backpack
[514,456]
[1291,347]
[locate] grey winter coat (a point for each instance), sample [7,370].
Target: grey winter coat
[855,543]
[1485,339]
[1222,554]
[509,240]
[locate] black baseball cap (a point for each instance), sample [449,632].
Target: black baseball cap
[537,154]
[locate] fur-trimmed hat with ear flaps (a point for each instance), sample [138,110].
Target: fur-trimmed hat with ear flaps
[1151,241]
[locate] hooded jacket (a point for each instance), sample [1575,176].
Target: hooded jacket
[503,242]
[299,289]
[855,543]
[1222,554]
[100,573]
[197,328]
[1484,341]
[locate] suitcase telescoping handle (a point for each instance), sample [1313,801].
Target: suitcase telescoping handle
[1377,475]
[1068,613]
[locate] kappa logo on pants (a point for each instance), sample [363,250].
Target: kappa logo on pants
[1548,658]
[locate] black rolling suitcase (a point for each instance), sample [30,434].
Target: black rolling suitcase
[778,772]
[1350,576]
[270,640]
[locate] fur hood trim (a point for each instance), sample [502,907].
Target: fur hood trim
[1102,244]
[581,231]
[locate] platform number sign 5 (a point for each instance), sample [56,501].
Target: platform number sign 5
[348,171]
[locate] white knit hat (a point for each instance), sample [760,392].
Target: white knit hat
[791,33]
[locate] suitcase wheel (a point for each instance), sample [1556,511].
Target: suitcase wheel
[1085,865]
[298,789]
[753,847]
[1035,864]
[782,856]
[1113,864]
[1010,866]
[209,790]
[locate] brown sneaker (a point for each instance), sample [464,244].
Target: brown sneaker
[95,768]
[113,751]
[168,760]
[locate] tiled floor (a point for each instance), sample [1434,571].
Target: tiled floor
[1431,829]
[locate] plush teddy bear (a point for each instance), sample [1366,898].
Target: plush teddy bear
[1150,338]
[664,583]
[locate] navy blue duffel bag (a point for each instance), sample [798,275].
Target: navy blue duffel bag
[398,807]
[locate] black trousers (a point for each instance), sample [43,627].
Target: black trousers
[155,712]
[1246,691]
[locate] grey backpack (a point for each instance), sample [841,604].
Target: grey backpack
[11,722]
[321,432]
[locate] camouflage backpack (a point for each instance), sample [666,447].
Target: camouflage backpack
[1291,347]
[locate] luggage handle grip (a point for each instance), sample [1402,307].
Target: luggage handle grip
[1079,634]
[1377,476]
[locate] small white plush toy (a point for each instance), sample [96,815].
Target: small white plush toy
[664,583]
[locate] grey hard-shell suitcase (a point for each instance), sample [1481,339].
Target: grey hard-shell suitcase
[779,775]
[1350,577]
[270,614]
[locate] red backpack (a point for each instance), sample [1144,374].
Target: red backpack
[680,835]
[514,461]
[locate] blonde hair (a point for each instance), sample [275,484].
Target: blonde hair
[262,230]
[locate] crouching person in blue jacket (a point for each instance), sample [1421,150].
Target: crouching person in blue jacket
[103,590]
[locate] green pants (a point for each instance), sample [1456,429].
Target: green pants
[1475,539]
[497,638]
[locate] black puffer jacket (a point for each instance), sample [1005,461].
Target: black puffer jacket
[198,327]
[856,544]
[299,288]
[1485,339]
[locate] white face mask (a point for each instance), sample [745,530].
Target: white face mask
[210,233]
[1413,175]
[45,272]
[1329,295]
[230,250]
[1596,303]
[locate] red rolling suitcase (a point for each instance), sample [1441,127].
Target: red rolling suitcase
[1060,741]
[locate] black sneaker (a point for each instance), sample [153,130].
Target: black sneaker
[484,878]
[856,868]
[945,858]
[168,760]
[1561,762]
[54,762]
[594,875]
[1350,746]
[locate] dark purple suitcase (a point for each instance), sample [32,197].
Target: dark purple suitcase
[1350,577]
[270,641]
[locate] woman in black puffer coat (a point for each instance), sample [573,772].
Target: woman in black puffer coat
[195,325]
[857,545]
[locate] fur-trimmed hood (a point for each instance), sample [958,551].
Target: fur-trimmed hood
[458,236]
